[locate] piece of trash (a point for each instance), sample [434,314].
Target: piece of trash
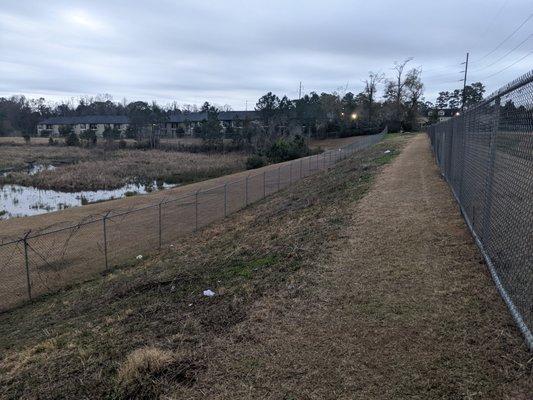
[172,288]
[209,293]
[387,151]
[190,304]
[139,257]
[171,245]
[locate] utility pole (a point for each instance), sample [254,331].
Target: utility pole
[246,105]
[464,84]
[300,91]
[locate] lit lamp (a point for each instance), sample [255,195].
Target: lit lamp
[354,116]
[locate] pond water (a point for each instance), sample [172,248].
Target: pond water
[22,201]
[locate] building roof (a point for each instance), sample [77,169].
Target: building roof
[86,119]
[222,116]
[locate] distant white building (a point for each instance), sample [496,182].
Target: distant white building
[97,123]
[185,123]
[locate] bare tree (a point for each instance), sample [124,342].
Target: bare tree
[414,89]
[395,88]
[369,91]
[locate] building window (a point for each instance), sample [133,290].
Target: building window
[49,126]
[118,126]
[93,126]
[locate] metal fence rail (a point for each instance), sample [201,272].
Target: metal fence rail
[486,155]
[41,263]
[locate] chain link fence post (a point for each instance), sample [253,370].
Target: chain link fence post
[246,191]
[225,200]
[104,223]
[487,209]
[290,173]
[264,184]
[196,210]
[27,264]
[159,225]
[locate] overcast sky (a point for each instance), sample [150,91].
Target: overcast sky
[233,51]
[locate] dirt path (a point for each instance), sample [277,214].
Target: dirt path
[404,309]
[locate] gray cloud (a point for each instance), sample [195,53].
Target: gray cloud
[234,50]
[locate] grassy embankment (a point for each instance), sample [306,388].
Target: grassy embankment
[143,330]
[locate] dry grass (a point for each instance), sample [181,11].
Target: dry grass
[97,169]
[142,362]
[19,141]
[18,157]
[333,143]
[294,315]
[144,372]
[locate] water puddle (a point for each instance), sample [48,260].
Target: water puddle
[23,201]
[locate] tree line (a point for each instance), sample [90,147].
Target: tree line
[396,101]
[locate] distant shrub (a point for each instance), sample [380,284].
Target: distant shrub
[89,136]
[51,141]
[284,150]
[72,139]
[131,133]
[255,161]
[122,144]
[26,137]
[65,130]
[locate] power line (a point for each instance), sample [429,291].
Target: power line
[507,38]
[510,65]
[506,54]
[439,76]
[440,68]
[494,18]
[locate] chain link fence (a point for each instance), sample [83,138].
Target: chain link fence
[41,263]
[486,155]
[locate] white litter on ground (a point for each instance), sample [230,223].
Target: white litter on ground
[209,293]
[139,257]
[387,151]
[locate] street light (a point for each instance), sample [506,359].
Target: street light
[354,116]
